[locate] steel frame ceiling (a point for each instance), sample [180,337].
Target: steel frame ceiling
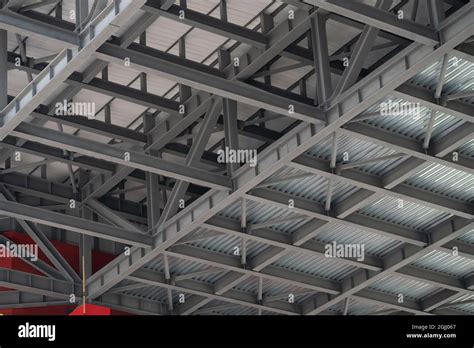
[337,104]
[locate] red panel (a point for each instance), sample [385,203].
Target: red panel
[68,251]
[51,310]
[71,255]
[90,309]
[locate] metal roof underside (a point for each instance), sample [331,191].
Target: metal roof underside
[361,120]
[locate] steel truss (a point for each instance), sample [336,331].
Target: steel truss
[156,229]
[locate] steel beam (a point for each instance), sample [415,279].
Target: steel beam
[265,237]
[36,284]
[114,154]
[74,224]
[20,299]
[405,145]
[205,22]
[195,288]
[3,69]
[286,244]
[37,235]
[25,26]
[379,18]
[321,58]
[38,264]
[65,63]
[193,158]
[355,100]
[165,65]
[359,53]
[360,222]
[131,304]
[402,256]
[373,184]
[299,280]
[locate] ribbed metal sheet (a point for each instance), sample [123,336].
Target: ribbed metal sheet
[467,149]
[357,150]
[467,237]
[445,181]
[151,293]
[258,213]
[226,244]
[312,188]
[411,125]
[466,307]
[155,84]
[316,266]
[440,261]
[177,266]
[215,308]
[412,289]
[374,244]
[459,77]
[275,288]
[210,278]
[356,307]
[411,215]
[269,287]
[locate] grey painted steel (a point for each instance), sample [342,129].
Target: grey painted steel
[374,184]
[364,44]
[353,101]
[379,18]
[25,26]
[36,284]
[321,58]
[38,264]
[37,235]
[192,158]
[71,223]
[113,154]
[402,256]
[266,237]
[65,63]
[205,22]
[167,66]
[20,299]
[244,181]
[3,69]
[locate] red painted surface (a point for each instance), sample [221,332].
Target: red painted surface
[51,310]
[71,255]
[68,251]
[90,309]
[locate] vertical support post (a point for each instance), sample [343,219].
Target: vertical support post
[319,44]
[3,69]
[107,111]
[231,132]
[58,10]
[243,225]
[267,24]
[332,165]
[184,91]
[82,9]
[168,290]
[230,117]
[223,10]
[334,151]
[152,182]
[346,306]
[436,15]
[86,242]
